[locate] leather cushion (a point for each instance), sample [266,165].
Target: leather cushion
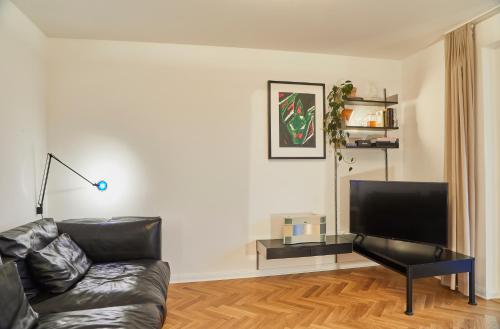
[59,265]
[144,316]
[15,311]
[116,239]
[18,242]
[113,284]
[31,288]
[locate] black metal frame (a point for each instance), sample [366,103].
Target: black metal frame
[269,153]
[41,196]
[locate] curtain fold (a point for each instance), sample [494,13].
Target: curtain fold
[460,146]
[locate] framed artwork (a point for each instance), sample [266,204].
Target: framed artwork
[296,111]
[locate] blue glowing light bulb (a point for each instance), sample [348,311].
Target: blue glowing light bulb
[102,186]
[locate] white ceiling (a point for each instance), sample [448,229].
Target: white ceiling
[369,28]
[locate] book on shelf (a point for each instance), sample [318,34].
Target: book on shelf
[389,118]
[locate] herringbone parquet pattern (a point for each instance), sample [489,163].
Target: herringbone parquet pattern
[360,298]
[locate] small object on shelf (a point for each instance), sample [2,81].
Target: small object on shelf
[346,114]
[389,118]
[304,229]
[363,143]
[380,118]
[371,120]
[388,142]
[353,92]
[351,145]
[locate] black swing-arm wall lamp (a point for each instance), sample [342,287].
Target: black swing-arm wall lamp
[101,185]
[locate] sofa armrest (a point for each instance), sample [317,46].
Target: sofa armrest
[119,238]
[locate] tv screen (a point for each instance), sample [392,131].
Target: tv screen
[411,211]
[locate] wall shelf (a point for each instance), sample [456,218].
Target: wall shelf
[370,128]
[371,148]
[388,101]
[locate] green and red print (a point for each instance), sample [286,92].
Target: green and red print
[297,113]
[295,116]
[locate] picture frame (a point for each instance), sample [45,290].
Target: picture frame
[295,120]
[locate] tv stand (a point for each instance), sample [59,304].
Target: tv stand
[413,260]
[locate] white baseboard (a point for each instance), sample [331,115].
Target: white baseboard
[481,292]
[196,277]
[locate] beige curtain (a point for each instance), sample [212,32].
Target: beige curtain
[460,148]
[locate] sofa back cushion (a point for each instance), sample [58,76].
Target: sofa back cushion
[16,243]
[60,265]
[15,311]
[19,241]
[119,238]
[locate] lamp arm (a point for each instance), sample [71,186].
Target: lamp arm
[41,196]
[55,158]
[50,156]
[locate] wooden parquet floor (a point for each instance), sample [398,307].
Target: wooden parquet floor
[363,298]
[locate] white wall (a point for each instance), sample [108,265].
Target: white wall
[22,115]
[487,45]
[423,95]
[496,110]
[180,131]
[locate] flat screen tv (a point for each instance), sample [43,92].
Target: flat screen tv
[410,211]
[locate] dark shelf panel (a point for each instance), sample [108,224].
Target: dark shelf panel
[335,244]
[370,148]
[391,100]
[369,128]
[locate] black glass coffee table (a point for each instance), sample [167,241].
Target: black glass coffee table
[413,260]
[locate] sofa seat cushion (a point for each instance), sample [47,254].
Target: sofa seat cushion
[141,316]
[113,284]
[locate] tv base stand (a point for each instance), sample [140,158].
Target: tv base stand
[413,260]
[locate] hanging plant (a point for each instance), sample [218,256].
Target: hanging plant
[332,123]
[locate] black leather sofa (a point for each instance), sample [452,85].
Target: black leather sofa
[126,286]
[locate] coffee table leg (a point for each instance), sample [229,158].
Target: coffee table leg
[409,293]
[472,285]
